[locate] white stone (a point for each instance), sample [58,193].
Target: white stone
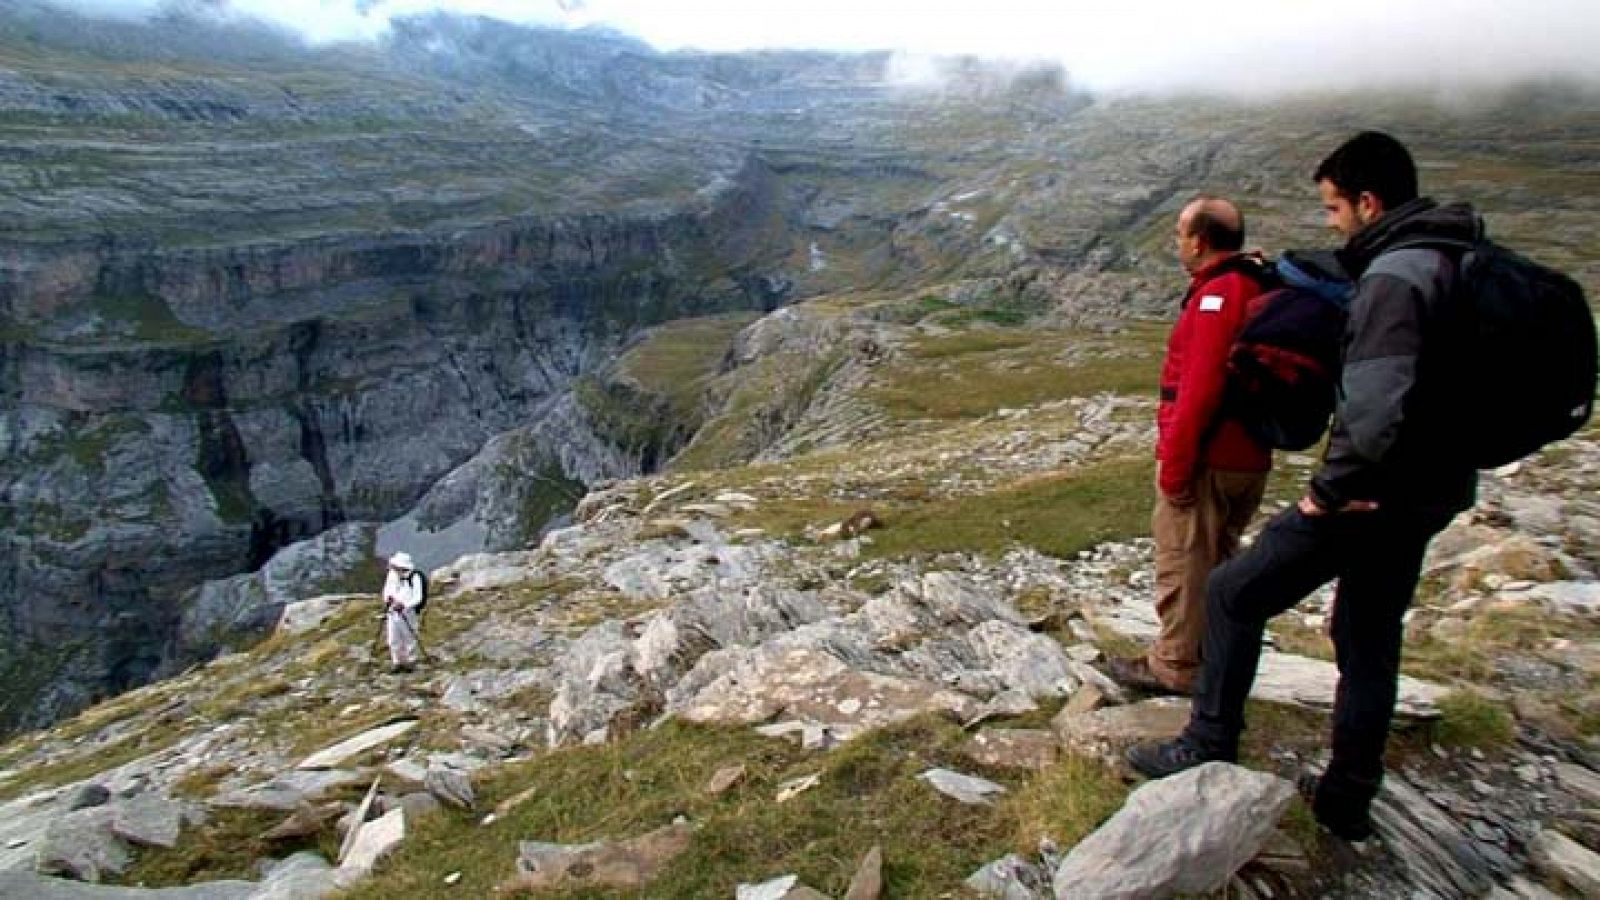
[374,840]
[776,889]
[331,757]
[966,788]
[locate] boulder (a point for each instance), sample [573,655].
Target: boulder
[87,795]
[450,786]
[148,821]
[1187,833]
[1114,727]
[81,845]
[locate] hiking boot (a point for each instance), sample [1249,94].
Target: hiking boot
[1341,822]
[1159,759]
[1134,672]
[402,668]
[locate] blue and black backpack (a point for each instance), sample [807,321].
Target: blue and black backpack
[1283,369]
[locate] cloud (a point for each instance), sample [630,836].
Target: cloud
[1248,46]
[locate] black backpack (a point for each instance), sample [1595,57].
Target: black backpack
[1523,362]
[1283,368]
[422,591]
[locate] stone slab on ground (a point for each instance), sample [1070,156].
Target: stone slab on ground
[331,757]
[966,788]
[80,845]
[1011,878]
[373,841]
[1566,860]
[1432,846]
[1114,727]
[626,865]
[1187,833]
[1013,748]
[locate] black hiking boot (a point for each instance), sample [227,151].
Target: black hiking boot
[1341,819]
[1155,759]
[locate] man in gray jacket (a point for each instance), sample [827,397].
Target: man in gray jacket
[1391,478]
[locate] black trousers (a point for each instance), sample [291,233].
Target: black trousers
[1377,558]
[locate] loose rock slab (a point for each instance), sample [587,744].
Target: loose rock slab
[1184,834]
[1567,860]
[1117,726]
[1011,878]
[626,865]
[80,845]
[148,821]
[1013,748]
[374,840]
[867,883]
[966,788]
[1302,681]
[331,757]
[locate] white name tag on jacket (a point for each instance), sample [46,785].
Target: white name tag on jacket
[1211,303]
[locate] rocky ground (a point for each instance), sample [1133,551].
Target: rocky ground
[870,657]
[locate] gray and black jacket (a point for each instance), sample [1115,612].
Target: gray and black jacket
[1392,431]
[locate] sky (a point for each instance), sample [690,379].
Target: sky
[1225,45]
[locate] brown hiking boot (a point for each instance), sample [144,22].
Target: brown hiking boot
[1134,672]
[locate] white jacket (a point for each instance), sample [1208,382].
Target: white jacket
[405,591]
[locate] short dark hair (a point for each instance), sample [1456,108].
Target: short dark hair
[1371,162]
[1219,233]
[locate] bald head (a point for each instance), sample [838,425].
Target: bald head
[1209,228]
[1215,221]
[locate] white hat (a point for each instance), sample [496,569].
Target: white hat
[401,560]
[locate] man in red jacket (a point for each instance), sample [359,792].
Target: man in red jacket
[1211,473]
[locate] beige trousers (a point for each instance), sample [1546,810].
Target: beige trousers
[1190,542]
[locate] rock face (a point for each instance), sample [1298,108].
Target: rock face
[151,468]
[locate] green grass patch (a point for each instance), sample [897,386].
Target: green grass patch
[1470,719]
[675,360]
[1065,803]
[869,794]
[87,765]
[975,372]
[227,846]
[148,319]
[1490,633]
[1058,514]
[975,340]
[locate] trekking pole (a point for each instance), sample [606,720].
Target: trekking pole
[416,637]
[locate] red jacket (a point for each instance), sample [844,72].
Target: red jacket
[1192,379]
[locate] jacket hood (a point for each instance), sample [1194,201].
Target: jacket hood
[1419,220]
[1317,271]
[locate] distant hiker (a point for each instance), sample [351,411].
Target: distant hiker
[1391,478]
[1210,472]
[404,595]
